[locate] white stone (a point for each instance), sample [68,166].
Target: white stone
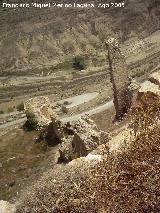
[6,207]
[94,157]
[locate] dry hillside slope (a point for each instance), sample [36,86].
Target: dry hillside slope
[32,39]
[128,182]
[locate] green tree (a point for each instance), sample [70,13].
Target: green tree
[1,112]
[79,63]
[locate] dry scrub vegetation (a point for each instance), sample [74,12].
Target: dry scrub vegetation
[125,182]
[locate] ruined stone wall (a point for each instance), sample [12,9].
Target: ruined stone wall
[119,78]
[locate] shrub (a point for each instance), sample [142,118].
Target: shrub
[79,63]
[66,103]
[20,107]
[31,123]
[64,109]
[1,112]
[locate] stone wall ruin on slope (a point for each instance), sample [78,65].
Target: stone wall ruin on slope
[119,78]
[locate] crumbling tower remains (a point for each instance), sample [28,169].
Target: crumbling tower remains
[119,78]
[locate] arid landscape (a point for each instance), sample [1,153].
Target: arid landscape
[79,108]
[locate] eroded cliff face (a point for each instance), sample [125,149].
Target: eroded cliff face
[34,38]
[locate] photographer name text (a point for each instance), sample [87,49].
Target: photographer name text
[63,5]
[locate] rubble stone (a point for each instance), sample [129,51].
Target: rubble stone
[119,78]
[65,151]
[90,159]
[6,207]
[134,85]
[40,107]
[155,78]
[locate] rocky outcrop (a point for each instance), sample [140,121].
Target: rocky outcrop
[75,139]
[53,133]
[40,107]
[119,78]
[6,207]
[148,94]
[85,138]
[65,151]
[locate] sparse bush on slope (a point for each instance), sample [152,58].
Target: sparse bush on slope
[20,107]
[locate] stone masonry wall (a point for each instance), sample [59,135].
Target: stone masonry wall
[119,78]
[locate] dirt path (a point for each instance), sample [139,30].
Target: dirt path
[73,101]
[76,100]
[90,112]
